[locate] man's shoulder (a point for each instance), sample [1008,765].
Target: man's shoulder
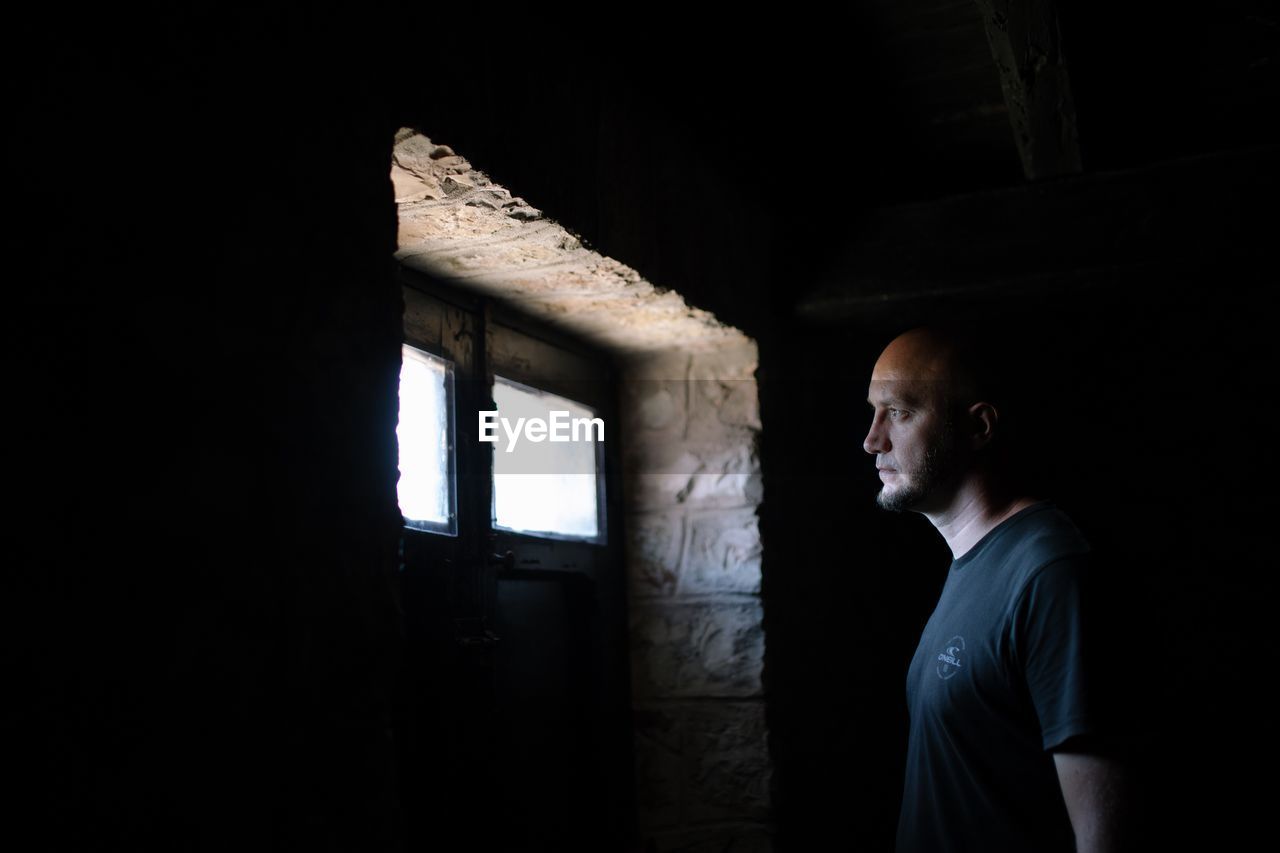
[1043,535]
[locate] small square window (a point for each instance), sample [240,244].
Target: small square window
[425,433]
[545,487]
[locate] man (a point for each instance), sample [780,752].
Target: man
[1003,702]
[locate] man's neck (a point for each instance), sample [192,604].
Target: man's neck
[974,512]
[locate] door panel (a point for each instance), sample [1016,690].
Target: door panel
[513,721]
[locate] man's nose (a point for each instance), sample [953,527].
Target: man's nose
[876,440]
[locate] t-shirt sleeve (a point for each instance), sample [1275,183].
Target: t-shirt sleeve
[1051,639]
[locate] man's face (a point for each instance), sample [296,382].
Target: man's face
[913,440]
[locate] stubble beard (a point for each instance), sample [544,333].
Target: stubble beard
[937,467]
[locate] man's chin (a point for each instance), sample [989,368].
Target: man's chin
[896,501]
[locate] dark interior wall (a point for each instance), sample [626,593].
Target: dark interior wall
[1151,82]
[206,344]
[205,341]
[1141,447]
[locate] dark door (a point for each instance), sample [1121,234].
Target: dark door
[513,721]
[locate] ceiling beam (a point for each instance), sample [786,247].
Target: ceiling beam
[1026,44]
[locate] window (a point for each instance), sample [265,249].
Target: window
[549,487]
[464,356]
[425,435]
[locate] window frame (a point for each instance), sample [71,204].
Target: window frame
[449,527]
[480,336]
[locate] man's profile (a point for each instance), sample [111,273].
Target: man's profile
[1003,701]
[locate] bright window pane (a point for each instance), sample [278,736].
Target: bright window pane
[423,432]
[545,486]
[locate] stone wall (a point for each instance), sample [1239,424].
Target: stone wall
[693,566]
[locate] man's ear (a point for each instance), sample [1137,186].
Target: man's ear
[983,421]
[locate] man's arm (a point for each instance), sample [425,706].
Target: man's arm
[1093,788]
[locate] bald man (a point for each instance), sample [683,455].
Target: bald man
[1002,752]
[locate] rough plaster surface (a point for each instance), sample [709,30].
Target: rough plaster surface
[701,764]
[696,650]
[458,225]
[693,563]
[694,421]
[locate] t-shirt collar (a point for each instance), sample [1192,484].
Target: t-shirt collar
[994,533]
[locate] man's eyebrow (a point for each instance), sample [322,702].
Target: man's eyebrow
[892,401]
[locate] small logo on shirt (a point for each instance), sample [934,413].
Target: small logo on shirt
[949,659]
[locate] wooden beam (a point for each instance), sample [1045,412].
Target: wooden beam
[1026,44]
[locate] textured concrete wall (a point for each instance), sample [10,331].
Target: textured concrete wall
[693,566]
[456,224]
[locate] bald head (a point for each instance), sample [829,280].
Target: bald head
[920,353]
[935,363]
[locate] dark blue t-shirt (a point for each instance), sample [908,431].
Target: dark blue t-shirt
[1000,677]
